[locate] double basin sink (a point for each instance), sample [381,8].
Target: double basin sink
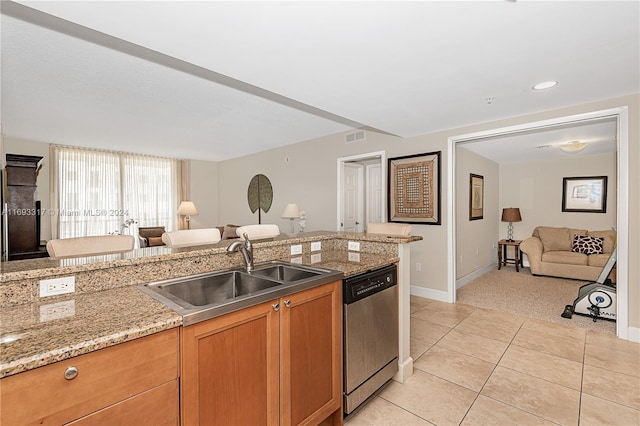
[203,296]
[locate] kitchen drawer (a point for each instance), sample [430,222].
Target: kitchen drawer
[105,377]
[158,407]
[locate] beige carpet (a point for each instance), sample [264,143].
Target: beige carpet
[534,297]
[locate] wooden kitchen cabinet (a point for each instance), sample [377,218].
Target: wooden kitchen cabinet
[133,380]
[279,362]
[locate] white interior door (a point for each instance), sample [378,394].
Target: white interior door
[353,197]
[374,193]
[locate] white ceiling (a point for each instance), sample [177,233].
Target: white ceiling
[216,80]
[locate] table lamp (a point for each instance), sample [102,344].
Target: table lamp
[291,212]
[511,214]
[187,208]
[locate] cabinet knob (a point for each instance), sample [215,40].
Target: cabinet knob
[287,303]
[70,373]
[276,306]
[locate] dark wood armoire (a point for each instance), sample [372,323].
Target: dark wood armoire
[23,211]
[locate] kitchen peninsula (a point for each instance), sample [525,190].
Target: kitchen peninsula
[107,309]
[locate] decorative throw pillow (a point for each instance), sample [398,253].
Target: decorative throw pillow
[155,241]
[587,245]
[229,232]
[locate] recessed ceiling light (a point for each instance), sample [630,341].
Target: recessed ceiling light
[544,85]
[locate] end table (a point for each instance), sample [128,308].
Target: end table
[503,260]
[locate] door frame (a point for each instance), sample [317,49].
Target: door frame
[622,116]
[382,155]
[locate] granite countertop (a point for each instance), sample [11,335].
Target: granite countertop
[44,267]
[32,336]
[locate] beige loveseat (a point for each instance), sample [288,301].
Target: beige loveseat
[550,253]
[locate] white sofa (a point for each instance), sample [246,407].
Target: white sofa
[191,237]
[90,246]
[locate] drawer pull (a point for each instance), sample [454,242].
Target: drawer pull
[70,373]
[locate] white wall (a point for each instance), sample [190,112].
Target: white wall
[309,179]
[204,193]
[17,146]
[475,239]
[536,188]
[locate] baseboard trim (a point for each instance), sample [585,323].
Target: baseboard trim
[429,293]
[633,334]
[475,274]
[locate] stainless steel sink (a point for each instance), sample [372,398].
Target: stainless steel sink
[216,288]
[203,296]
[286,273]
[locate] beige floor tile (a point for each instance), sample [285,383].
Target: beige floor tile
[564,347]
[378,412]
[431,398]
[418,347]
[612,342]
[615,387]
[536,396]
[419,301]
[487,327]
[599,412]
[489,412]
[414,307]
[497,316]
[555,329]
[463,370]
[471,344]
[611,359]
[447,314]
[547,367]
[427,331]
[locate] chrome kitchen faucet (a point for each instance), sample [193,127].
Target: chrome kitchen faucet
[245,248]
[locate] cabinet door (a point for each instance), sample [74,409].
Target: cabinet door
[230,369]
[311,355]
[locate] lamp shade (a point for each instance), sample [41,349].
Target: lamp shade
[187,208]
[511,214]
[291,211]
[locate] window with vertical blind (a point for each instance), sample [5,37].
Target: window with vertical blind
[102,192]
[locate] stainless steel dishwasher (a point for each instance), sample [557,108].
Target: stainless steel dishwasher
[370,305]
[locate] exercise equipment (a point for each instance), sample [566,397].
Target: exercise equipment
[596,299]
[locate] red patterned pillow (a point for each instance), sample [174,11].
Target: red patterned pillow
[587,245]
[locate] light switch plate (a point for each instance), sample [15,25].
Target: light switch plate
[316,245]
[296,249]
[354,246]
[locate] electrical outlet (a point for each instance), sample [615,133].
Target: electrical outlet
[354,257]
[58,310]
[316,258]
[316,245]
[418,267]
[297,260]
[56,286]
[354,246]
[296,249]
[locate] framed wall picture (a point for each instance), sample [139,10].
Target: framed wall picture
[414,189]
[584,194]
[476,196]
